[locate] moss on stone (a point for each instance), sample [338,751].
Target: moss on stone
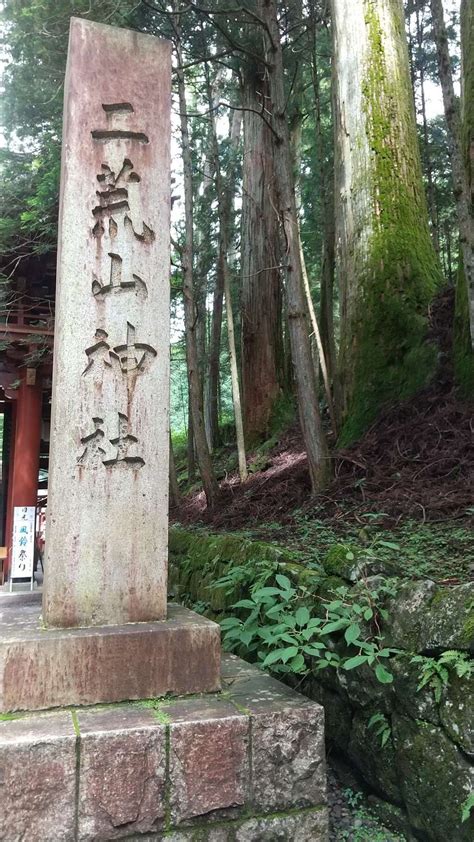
[199,558]
[337,563]
[400,271]
[435,778]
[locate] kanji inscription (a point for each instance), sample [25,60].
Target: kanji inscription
[106,545]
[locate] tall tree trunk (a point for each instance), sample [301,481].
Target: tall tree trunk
[315,442]
[460,174]
[174,487]
[217,308]
[260,266]
[195,390]
[328,256]
[204,262]
[386,263]
[212,403]
[464,316]
[319,356]
[433,211]
[224,200]
[190,454]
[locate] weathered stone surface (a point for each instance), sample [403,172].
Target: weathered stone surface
[456,712]
[208,757]
[169,769]
[304,826]
[362,687]
[37,779]
[425,618]
[106,547]
[48,668]
[122,773]
[435,780]
[232,666]
[337,715]
[378,767]
[288,760]
[418,704]
[288,767]
[255,691]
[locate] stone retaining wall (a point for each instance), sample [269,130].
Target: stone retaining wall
[422,776]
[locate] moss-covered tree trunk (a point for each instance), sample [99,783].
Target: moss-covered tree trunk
[386,264]
[464,316]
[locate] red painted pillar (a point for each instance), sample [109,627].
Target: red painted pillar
[24,467]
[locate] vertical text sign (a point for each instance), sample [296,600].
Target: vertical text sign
[106,538]
[23,542]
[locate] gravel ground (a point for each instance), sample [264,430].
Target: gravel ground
[349,817]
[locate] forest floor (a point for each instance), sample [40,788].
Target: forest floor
[408,480]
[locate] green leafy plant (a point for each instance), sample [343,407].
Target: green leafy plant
[274,627]
[383,729]
[467,807]
[436,673]
[369,828]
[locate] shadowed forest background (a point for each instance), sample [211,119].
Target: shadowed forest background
[319,298]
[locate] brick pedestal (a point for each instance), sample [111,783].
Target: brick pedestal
[242,765]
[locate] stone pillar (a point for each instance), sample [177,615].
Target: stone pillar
[106,537]
[25,451]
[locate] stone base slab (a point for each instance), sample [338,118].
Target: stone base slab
[43,668]
[243,765]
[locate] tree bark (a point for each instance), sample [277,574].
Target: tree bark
[212,402]
[174,487]
[433,211]
[320,358]
[195,389]
[260,266]
[463,346]
[224,201]
[462,192]
[315,442]
[212,421]
[190,454]
[386,264]
[328,256]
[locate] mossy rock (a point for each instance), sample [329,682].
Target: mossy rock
[329,586]
[435,779]
[457,712]
[376,764]
[417,704]
[341,561]
[337,715]
[426,619]
[364,690]
[391,816]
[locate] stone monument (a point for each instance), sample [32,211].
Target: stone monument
[106,634]
[242,759]
[106,536]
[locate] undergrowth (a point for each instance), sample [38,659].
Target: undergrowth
[432,550]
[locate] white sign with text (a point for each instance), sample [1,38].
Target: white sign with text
[23,542]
